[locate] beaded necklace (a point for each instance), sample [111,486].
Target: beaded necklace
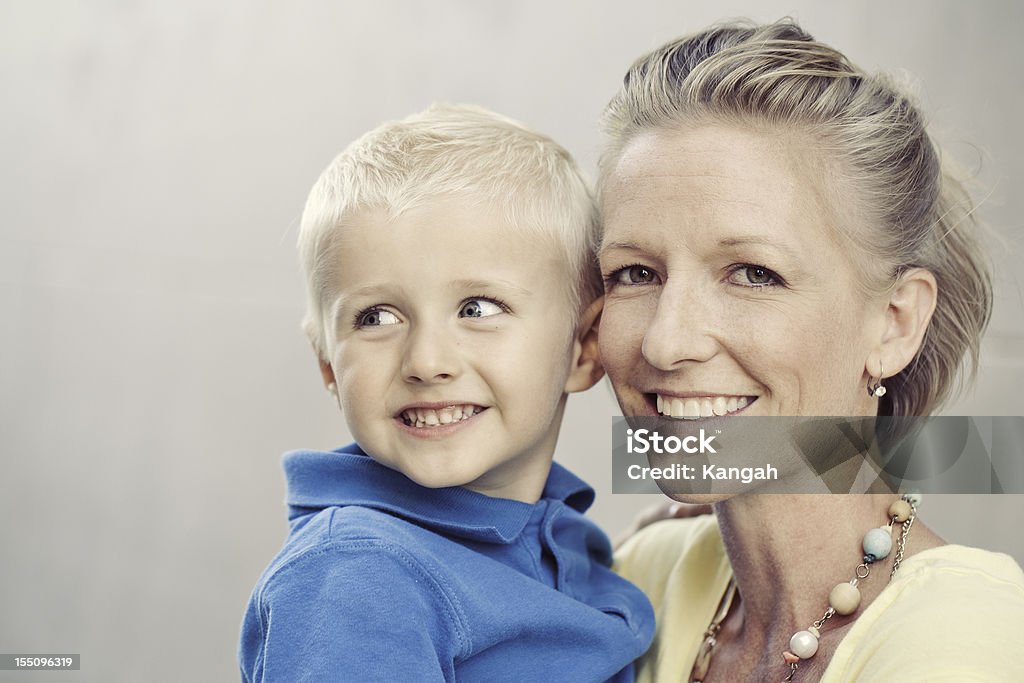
[844,599]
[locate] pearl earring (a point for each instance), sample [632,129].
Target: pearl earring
[875,389]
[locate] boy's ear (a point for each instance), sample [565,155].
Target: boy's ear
[586,367]
[908,313]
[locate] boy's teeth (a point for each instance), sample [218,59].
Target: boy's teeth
[428,417]
[696,408]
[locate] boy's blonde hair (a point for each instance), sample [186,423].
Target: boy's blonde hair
[463,152]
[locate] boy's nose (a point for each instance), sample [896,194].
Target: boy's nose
[431,356]
[681,330]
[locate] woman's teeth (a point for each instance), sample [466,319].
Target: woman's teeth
[696,408]
[428,417]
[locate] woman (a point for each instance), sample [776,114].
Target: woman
[781,240]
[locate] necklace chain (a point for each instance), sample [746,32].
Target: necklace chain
[902,545]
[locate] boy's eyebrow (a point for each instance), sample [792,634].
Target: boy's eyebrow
[367,289]
[484,285]
[630,246]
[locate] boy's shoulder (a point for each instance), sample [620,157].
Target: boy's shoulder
[346,577]
[357,559]
[340,525]
[338,541]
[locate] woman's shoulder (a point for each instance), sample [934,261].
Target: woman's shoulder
[981,590]
[968,584]
[949,561]
[953,610]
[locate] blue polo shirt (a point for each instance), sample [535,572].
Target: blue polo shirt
[381,579]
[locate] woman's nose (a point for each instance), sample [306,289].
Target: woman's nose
[683,329]
[431,356]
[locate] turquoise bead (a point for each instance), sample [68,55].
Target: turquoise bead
[878,542]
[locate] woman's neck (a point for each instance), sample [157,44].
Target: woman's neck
[788,552]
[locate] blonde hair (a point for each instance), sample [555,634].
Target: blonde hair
[452,151]
[910,211]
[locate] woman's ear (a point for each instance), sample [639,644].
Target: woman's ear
[586,364]
[908,313]
[327,373]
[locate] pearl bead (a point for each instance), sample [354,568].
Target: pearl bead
[803,644]
[878,542]
[844,598]
[900,509]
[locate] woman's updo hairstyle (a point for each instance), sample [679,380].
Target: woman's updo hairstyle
[908,211]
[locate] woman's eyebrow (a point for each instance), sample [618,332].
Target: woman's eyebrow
[746,239]
[740,241]
[757,240]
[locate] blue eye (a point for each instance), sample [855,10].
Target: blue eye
[479,308]
[376,317]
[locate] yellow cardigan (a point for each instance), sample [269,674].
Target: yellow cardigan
[956,612]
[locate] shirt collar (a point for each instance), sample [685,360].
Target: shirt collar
[347,476]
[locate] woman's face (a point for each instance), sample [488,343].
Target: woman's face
[727,290]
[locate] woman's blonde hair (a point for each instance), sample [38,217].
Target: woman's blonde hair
[911,212]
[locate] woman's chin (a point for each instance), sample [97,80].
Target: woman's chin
[698,498]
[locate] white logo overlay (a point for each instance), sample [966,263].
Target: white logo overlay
[809,454]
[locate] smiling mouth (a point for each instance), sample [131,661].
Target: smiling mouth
[423,418]
[696,407]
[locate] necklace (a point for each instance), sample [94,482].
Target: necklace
[703,663]
[844,598]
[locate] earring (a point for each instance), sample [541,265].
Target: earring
[332,389]
[875,389]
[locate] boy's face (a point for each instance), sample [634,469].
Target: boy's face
[451,344]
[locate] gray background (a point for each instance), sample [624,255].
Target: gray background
[156,157]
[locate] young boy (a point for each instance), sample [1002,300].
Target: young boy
[453,299]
